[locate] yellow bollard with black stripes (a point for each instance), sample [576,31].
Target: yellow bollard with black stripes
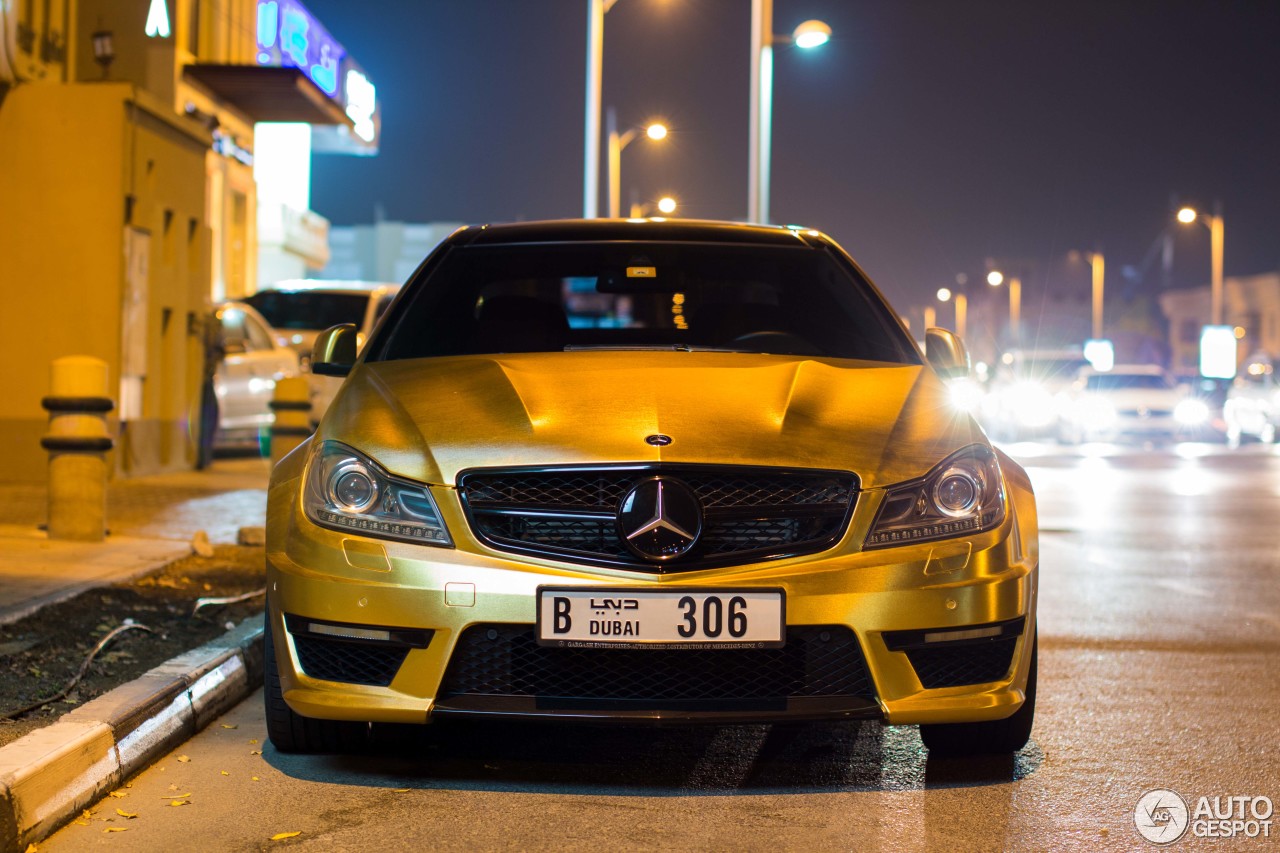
[291,404]
[78,442]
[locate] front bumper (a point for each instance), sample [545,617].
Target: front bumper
[451,597]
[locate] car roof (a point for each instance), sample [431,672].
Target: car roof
[655,229]
[293,285]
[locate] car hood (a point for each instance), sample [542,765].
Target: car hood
[429,419]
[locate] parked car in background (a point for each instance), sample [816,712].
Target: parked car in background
[251,363]
[648,472]
[300,309]
[1130,401]
[1252,407]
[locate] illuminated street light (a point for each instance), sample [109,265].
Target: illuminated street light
[944,294]
[617,142]
[808,35]
[811,34]
[1214,223]
[995,278]
[666,206]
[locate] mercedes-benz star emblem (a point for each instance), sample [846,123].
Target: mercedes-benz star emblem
[658,440]
[660,519]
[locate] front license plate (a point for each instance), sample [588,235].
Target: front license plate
[695,619]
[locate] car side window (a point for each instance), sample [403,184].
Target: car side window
[256,333]
[234,341]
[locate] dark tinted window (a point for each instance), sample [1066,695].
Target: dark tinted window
[553,297]
[309,309]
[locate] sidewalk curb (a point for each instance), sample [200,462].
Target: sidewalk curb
[50,775]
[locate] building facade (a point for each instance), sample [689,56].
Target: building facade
[1250,303]
[127,143]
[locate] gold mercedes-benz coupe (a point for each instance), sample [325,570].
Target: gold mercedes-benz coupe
[648,471]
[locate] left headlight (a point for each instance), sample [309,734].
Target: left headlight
[347,490]
[963,494]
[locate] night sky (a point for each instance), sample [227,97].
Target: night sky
[927,137]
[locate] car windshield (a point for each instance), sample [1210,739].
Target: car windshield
[309,309]
[634,295]
[1127,381]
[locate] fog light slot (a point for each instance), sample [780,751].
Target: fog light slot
[412,638]
[898,641]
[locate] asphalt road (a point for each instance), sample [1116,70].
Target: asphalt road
[1159,630]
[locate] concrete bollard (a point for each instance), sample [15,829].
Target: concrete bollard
[78,442]
[291,404]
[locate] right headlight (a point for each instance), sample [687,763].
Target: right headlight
[963,494]
[348,491]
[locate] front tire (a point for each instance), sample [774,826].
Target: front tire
[992,737]
[292,732]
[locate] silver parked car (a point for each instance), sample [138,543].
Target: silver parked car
[300,309]
[245,379]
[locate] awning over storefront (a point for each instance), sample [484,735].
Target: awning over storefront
[269,93]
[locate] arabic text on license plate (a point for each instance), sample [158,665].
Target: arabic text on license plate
[587,618]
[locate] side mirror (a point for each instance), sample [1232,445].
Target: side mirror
[334,353]
[946,353]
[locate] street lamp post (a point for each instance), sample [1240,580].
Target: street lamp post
[961,304]
[596,10]
[995,278]
[1214,223]
[759,142]
[1098,265]
[617,142]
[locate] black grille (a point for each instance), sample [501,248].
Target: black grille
[505,660]
[952,665]
[352,662]
[749,513]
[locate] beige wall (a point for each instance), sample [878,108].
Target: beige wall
[80,164]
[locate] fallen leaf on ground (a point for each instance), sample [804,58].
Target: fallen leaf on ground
[281,836]
[230,726]
[224,773]
[401,790]
[116,829]
[119,795]
[255,752]
[175,796]
[253,740]
[180,803]
[123,813]
[255,778]
[184,759]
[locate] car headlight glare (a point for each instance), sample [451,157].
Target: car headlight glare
[962,495]
[1191,412]
[348,491]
